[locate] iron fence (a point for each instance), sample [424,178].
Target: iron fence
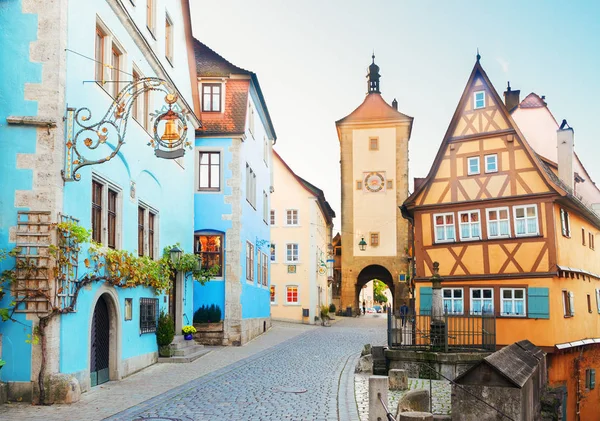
[447,333]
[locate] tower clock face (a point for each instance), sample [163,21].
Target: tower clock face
[374,181]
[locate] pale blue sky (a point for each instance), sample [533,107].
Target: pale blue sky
[311,59]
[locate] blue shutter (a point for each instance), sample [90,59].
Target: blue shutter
[538,306]
[425,300]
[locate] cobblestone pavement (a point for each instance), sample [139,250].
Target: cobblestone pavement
[440,390]
[252,382]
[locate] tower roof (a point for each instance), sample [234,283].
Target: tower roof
[374,108]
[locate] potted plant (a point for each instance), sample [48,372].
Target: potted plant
[188,332]
[165,332]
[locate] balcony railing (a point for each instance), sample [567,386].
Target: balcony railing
[447,333]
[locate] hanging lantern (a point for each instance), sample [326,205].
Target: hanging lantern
[362,245]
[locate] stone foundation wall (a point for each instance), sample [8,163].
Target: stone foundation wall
[251,328]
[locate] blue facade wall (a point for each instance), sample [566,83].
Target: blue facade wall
[17,30]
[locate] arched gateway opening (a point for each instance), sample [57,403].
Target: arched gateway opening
[104,339]
[372,273]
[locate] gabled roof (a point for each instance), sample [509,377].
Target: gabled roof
[479,72]
[211,64]
[374,108]
[516,362]
[532,101]
[327,210]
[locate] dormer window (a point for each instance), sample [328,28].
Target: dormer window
[211,97]
[479,100]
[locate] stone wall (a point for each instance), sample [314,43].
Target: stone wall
[251,328]
[415,363]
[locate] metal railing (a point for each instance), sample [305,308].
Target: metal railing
[447,333]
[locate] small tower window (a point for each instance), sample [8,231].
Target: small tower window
[373,143]
[479,98]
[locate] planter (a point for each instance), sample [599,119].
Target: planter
[188,336]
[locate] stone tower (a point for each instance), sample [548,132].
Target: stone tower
[374,171]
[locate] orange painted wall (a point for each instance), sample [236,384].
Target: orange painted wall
[561,371]
[571,251]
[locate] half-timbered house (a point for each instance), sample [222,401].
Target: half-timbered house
[512,237]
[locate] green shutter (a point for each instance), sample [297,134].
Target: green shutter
[538,306]
[425,300]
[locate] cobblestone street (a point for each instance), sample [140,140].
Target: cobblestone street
[293,372]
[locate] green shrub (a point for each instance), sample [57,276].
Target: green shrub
[332,308]
[165,332]
[324,311]
[208,314]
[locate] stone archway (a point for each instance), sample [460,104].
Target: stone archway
[107,297]
[370,273]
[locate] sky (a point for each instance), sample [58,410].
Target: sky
[311,59]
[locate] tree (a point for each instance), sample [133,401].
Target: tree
[378,288]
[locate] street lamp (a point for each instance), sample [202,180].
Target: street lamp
[362,245]
[175,254]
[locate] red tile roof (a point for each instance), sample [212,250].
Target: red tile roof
[532,101]
[374,108]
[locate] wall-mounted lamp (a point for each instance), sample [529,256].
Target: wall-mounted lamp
[362,245]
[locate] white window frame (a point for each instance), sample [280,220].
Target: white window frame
[273,255]
[222,86]
[287,247]
[274,300]
[265,208]
[469,172]
[250,186]
[497,221]
[598,300]
[287,219]
[209,190]
[147,209]
[485,161]
[169,41]
[570,296]
[475,107]
[106,184]
[266,150]
[513,299]
[445,240]
[537,222]
[293,303]
[251,118]
[565,223]
[453,299]
[470,223]
[250,271]
[471,290]
[151,24]
[273,217]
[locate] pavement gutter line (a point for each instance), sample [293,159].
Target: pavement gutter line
[345,408]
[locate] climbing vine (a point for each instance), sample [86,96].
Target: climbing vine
[118,268]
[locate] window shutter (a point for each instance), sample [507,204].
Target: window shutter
[592,378]
[538,305]
[425,300]
[572,303]
[562,222]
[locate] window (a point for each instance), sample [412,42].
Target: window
[250,186]
[497,223]
[169,39]
[211,97]
[265,207]
[444,227]
[591,242]
[374,239]
[583,236]
[589,303]
[272,252]
[389,184]
[526,220]
[128,309]
[565,223]
[251,119]
[598,300]
[482,301]
[470,225]
[291,294]
[453,300]
[512,302]
[272,291]
[568,303]
[105,213]
[150,15]
[272,217]
[259,272]
[491,163]
[151,244]
[479,100]
[99,54]
[136,108]
[291,217]
[265,269]
[359,185]
[266,150]
[249,261]
[473,165]
[141,212]
[209,178]
[291,253]
[148,315]
[146,228]
[115,63]
[97,211]
[590,378]
[373,143]
[209,248]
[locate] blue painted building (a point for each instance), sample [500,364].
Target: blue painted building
[233,185]
[66,54]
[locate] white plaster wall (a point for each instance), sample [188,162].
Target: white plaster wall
[375,212]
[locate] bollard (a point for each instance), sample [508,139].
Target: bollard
[416,416]
[378,387]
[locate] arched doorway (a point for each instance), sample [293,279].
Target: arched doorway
[371,273]
[100,344]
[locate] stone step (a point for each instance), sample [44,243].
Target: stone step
[208,335]
[187,351]
[185,358]
[211,341]
[183,345]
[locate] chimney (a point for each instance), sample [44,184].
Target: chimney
[565,140]
[511,98]
[395,104]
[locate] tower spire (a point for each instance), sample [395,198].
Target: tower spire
[373,77]
[478,55]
